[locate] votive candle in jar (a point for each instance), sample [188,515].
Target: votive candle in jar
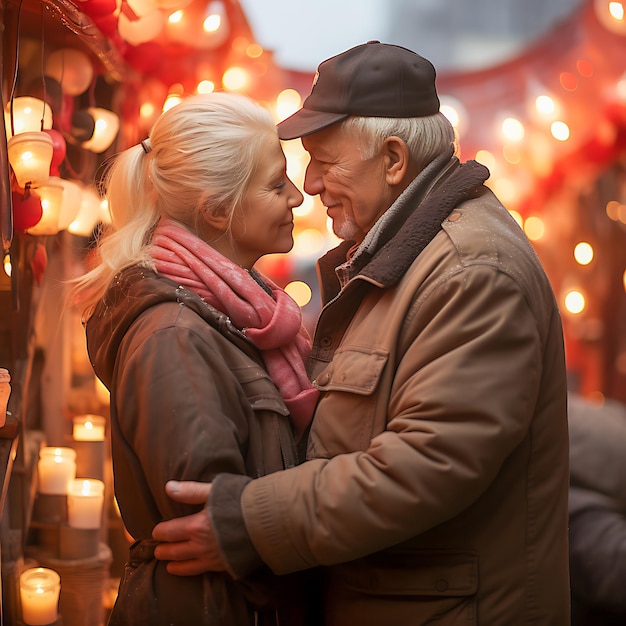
[39,595]
[56,468]
[85,501]
[88,428]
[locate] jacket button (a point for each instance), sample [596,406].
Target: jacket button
[441,585]
[323,379]
[326,342]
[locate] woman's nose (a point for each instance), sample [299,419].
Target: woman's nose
[296,196]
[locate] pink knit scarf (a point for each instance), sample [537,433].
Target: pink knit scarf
[272,323]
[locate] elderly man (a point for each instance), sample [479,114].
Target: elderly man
[436,481]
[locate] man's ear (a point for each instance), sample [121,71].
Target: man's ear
[396,156]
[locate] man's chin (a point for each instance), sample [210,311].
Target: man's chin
[344,232]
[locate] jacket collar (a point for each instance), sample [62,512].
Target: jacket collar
[132,292]
[406,228]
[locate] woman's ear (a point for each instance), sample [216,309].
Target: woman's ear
[215,218]
[396,156]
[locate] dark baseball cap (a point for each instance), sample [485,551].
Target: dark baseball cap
[372,80]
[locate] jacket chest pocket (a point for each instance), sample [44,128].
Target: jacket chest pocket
[270,444]
[261,392]
[346,418]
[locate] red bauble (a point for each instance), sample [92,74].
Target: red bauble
[98,8]
[59,149]
[107,25]
[27,211]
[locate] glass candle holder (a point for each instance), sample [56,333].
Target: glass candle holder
[56,468]
[39,595]
[88,428]
[85,501]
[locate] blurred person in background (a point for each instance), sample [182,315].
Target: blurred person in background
[437,477]
[597,512]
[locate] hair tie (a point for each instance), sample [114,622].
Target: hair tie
[146,145]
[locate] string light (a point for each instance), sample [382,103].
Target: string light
[583,253]
[457,115]
[512,129]
[30,155]
[51,195]
[309,243]
[574,302]
[487,159]
[560,131]
[107,125]
[205,86]
[534,228]
[616,11]
[235,79]
[545,105]
[27,114]
[300,292]
[288,101]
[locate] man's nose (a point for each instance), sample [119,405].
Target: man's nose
[313,184]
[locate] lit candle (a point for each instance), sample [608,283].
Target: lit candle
[56,468]
[88,428]
[39,593]
[85,500]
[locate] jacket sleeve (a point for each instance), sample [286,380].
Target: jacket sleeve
[180,415]
[597,540]
[224,508]
[463,396]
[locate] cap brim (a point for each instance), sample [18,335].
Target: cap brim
[305,122]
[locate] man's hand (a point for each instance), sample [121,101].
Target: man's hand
[188,542]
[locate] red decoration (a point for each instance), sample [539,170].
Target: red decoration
[146,57]
[63,118]
[98,8]
[59,149]
[38,263]
[107,25]
[27,210]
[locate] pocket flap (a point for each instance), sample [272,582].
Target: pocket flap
[431,574]
[260,390]
[354,370]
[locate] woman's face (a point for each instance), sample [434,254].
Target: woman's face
[264,222]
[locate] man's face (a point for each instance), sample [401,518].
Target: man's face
[354,191]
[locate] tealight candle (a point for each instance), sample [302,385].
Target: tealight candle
[85,500]
[88,428]
[56,468]
[39,594]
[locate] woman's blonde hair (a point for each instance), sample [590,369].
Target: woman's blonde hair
[200,156]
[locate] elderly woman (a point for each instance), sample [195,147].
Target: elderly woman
[203,356]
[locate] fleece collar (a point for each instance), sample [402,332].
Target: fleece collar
[413,221]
